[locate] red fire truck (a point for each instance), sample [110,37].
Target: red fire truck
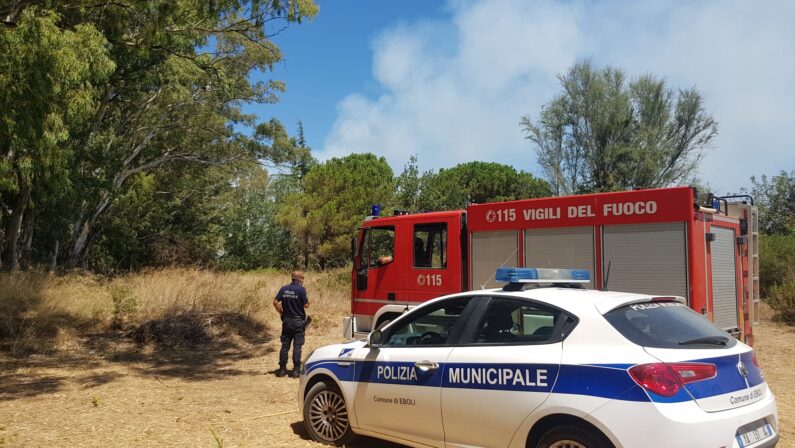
[658,241]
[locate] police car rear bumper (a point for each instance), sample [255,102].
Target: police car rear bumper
[683,424]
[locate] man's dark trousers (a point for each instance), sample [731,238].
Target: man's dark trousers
[292,332]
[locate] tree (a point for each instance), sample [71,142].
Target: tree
[409,186]
[177,94]
[605,132]
[252,238]
[48,78]
[95,93]
[478,182]
[775,198]
[336,196]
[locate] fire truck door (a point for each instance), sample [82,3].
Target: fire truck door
[377,269]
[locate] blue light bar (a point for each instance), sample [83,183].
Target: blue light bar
[375,210]
[541,275]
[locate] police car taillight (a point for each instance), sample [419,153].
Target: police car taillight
[667,379]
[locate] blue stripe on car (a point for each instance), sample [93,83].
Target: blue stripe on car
[598,380]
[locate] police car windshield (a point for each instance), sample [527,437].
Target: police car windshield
[667,325]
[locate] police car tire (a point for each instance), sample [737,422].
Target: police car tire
[572,437]
[325,414]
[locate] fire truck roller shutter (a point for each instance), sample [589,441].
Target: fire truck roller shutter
[646,258]
[724,282]
[561,247]
[491,250]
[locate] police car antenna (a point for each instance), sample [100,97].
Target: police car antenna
[483,286]
[607,276]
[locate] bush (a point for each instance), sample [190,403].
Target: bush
[782,300]
[776,261]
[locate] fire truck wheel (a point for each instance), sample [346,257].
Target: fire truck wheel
[326,415]
[572,437]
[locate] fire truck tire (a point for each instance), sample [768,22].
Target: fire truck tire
[326,415]
[572,437]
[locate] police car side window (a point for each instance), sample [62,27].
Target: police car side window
[510,321]
[432,327]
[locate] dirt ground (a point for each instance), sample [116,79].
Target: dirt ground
[114,395]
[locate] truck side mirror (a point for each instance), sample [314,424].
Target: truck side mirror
[354,245]
[374,339]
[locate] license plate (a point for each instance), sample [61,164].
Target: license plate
[755,434]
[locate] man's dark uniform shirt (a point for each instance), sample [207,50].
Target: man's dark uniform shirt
[293,298]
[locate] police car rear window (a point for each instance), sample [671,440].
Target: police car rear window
[667,325]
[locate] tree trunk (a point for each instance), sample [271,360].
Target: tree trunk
[11,252]
[82,239]
[27,246]
[306,250]
[54,256]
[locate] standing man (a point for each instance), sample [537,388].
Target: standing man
[291,302]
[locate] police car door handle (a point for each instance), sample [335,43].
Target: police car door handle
[426,366]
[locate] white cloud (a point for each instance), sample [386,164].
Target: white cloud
[455,91]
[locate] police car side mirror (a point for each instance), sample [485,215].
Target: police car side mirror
[374,339]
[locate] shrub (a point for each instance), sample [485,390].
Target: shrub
[776,261]
[782,300]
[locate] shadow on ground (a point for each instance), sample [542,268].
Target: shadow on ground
[360,442]
[190,346]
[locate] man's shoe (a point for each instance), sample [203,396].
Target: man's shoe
[281,372]
[296,373]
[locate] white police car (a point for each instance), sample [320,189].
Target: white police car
[542,366]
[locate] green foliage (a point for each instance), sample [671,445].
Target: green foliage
[775,198]
[409,186]
[252,236]
[604,132]
[336,196]
[478,182]
[782,300]
[776,261]
[104,104]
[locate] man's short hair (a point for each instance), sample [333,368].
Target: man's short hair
[297,275]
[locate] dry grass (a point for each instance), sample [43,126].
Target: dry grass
[40,312]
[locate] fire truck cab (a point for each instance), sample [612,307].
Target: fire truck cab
[656,241]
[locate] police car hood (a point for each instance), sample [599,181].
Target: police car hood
[335,351]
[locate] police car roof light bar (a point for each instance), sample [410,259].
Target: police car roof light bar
[542,275]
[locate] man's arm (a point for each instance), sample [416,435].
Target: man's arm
[277,303]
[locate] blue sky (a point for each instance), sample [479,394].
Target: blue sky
[331,57]
[449,81]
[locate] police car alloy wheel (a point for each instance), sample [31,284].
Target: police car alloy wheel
[326,415]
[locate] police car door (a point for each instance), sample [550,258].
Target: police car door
[503,369]
[398,383]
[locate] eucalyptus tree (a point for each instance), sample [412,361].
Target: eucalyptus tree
[49,78]
[607,132]
[163,84]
